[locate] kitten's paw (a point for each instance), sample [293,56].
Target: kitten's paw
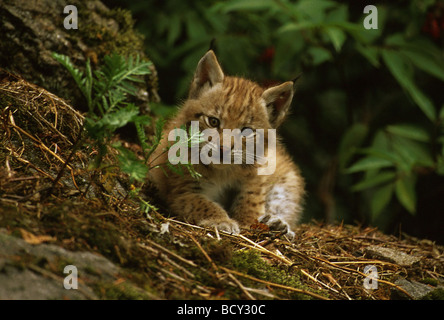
[276,223]
[226,225]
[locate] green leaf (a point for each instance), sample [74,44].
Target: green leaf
[337,15]
[425,62]
[119,118]
[84,83]
[369,163]
[403,152]
[412,152]
[140,122]
[130,164]
[292,26]
[319,55]
[247,5]
[157,137]
[405,192]
[422,53]
[382,141]
[175,168]
[351,140]
[409,131]
[337,37]
[88,83]
[441,113]
[372,181]
[162,110]
[381,153]
[174,29]
[66,62]
[370,53]
[195,28]
[194,174]
[146,207]
[403,73]
[159,129]
[380,199]
[314,10]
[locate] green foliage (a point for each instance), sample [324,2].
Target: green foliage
[193,138]
[392,163]
[106,91]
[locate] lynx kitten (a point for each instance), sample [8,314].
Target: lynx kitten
[230,196]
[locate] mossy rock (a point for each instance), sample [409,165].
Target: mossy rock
[32,30]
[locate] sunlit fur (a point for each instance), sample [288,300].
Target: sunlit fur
[230,196]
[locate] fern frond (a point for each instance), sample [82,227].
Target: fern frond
[85,83]
[106,91]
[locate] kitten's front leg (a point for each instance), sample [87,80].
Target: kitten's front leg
[249,205]
[200,210]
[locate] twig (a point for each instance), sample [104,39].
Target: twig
[40,144]
[191,263]
[68,160]
[305,273]
[213,265]
[188,273]
[362,274]
[264,250]
[241,287]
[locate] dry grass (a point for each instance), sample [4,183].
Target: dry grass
[328,259]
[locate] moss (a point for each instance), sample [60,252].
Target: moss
[437,294]
[220,251]
[252,263]
[10,218]
[123,39]
[121,291]
[59,264]
[112,31]
[430,281]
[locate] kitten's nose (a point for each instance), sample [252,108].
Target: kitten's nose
[224,152]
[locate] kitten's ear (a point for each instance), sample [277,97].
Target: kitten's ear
[278,100]
[208,74]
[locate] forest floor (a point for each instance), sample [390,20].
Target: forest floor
[88,219]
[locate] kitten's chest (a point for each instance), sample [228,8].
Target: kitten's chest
[222,191]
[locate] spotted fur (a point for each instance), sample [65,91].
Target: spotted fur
[232,196]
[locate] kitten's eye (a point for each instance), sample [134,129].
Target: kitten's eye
[213,122]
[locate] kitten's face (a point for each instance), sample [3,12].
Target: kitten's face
[232,111]
[219,103]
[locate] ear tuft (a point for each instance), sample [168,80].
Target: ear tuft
[278,100]
[208,74]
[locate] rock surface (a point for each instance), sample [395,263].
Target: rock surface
[415,289]
[30,31]
[36,271]
[391,255]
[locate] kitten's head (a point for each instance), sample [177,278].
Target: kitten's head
[221,102]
